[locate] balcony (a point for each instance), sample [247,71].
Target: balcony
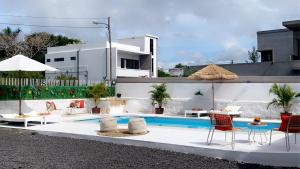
[121,72]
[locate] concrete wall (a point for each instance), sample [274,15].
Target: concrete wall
[12,107]
[253,97]
[92,61]
[259,69]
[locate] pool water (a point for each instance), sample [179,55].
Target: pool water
[180,122]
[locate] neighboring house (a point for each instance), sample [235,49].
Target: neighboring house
[280,53]
[178,72]
[131,57]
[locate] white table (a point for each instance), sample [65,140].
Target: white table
[198,112]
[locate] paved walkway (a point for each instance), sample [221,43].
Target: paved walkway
[190,141]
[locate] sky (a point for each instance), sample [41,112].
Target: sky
[191,32]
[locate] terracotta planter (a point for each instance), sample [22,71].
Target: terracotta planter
[159,110]
[96,110]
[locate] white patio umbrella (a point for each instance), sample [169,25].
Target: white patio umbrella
[21,63]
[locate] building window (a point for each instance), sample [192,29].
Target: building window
[151,46]
[122,63]
[130,63]
[59,59]
[152,66]
[48,60]
[266,56]
[73,58]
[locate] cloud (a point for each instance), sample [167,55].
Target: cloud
[205,30]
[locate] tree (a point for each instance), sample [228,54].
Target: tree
[253,55]
[179,65]
[33,45]
[161,73]
[10,45]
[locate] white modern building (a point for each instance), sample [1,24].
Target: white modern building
[178,72]
[131,57]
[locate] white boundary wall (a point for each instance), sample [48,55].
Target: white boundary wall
[253,97]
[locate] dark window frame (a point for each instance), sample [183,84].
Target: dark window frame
[130,63]
[267,55]
[123,60]
[59,59]
[48,60]
[73,58]
[151,46]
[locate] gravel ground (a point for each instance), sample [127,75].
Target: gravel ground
[25,149]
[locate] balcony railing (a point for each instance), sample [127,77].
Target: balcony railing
[121,72]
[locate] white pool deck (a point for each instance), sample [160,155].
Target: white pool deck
[186,140]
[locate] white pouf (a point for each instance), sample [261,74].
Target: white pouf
[108,124]
[137,126]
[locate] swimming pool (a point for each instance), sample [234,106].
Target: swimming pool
[179,122]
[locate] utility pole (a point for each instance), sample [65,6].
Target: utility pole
[110,52]
[108,26]
[77,59]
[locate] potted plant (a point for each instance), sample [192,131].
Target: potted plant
[284,97]
[159,96]
[96,92]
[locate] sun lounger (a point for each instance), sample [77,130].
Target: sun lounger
[198,112]
[229,110]
[14,118]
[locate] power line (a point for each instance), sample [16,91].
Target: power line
[58,26]
[44,17]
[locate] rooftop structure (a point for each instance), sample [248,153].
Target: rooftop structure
[280,53]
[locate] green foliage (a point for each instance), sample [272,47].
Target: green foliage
[34,75]
[97,92]
[199,93]
[284,96]
[189,71]
[10,32]
[253,55]
[111,91]
[66,77]
[159,95]
[60,40]
[179,65]
[47,92]
[161,73]
[43,92]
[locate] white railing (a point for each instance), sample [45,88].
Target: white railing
[51,82]
[132,72]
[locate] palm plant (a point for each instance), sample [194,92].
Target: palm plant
[284,96]
[159,95]
[96,92]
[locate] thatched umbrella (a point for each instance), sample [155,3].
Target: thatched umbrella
[213,72]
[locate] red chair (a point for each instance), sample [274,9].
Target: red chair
[291,125]
[222,122]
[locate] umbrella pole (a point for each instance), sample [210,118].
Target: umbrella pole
[20,104]
[213,93]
